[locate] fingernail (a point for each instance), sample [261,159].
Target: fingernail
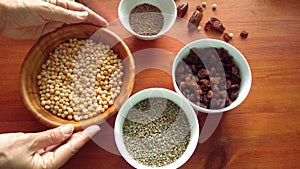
[67,129]
[107,24]
[92,130]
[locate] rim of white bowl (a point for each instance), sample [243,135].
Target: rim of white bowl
[157,92]
[245,81]
[173,17]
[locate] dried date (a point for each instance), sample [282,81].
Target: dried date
[214,24]
[195,19]
[182,9]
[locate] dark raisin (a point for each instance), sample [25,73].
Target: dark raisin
[235,70]
[194,69]
[203,73]
[228,84]
[234,95]
[226,37]
[244,34]
[228,102]
[235,79]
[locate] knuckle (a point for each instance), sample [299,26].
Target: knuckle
[48,162]
[68,14]
[53,136]
[72,148]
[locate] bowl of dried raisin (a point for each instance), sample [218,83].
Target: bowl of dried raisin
[212,75]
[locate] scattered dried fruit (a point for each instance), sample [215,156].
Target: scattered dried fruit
[244,34]
[195,19]
[227,37]
[182,9]
[214,24]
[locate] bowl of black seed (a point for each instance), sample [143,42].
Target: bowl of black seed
[156,128]
[147,19]
[212,75]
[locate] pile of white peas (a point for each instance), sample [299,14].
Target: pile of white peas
[80,80]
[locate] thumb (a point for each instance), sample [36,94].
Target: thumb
[50,137]
[64,152]
[60,14]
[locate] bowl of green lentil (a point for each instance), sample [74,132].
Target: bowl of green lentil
[156,128]
[147,19]
[79,74]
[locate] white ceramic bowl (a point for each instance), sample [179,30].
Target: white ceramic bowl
[167,7]
[162,93]
[239,59]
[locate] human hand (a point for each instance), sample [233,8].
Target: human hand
[49,149]
[30,19]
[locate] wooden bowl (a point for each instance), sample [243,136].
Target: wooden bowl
[39,54]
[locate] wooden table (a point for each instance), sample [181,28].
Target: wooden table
[263,132]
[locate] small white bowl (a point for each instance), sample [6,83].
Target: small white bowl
[167,7]
[239,59]
[162,93]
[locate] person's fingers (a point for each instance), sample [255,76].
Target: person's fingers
[68,5]
[52,147]
[51,12]
[50,137]
[47,149]
[95,19]
[92,18]
[76,142]
[67,150]
[51,26]
[40,151]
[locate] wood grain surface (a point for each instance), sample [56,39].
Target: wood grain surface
[263,132]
